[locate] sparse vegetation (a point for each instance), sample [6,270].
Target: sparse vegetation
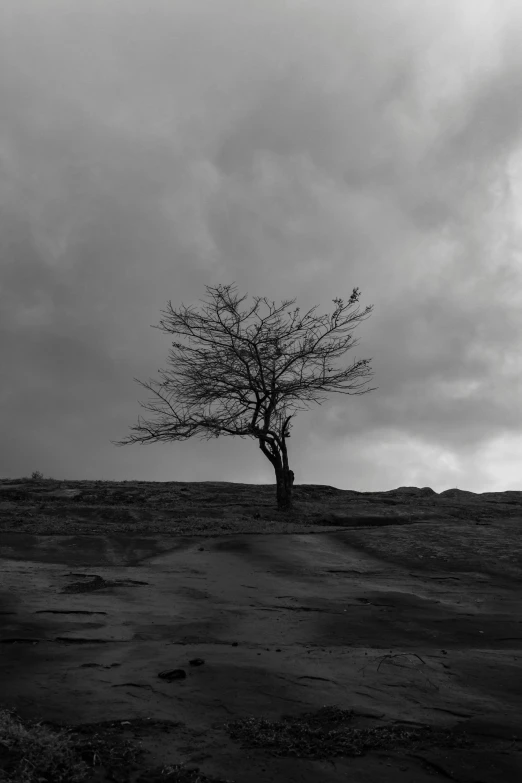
[325,734]
[34,753]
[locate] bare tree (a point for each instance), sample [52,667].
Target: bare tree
[246,379]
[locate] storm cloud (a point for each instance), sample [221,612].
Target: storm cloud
[298,149]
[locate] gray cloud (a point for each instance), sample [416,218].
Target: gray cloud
[299,149]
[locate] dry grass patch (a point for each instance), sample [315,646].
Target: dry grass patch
[34,753]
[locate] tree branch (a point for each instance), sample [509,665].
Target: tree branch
[247,379]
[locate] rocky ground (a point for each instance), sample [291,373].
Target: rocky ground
[385,646]
[50,504]
[408,521]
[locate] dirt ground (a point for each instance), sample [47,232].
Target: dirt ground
[360,652]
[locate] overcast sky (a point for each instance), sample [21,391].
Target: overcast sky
[298,148]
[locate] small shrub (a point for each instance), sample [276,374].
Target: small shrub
[36,475]
[36,753]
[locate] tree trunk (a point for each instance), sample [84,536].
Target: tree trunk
[285,482]
[277,454]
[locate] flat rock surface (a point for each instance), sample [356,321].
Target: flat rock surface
[405,625]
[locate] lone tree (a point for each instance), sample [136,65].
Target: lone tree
[245,379]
